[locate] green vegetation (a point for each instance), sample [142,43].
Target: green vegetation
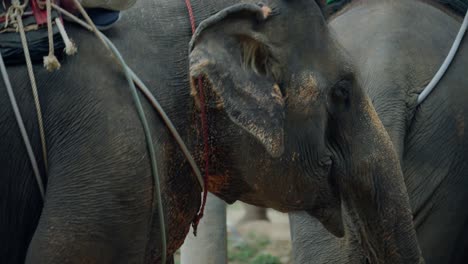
[251,251]
[266,259]
[242,253]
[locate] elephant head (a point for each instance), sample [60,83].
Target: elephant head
[292,125]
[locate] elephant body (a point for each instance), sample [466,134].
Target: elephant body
[99,184]
[270,116]
[398,46]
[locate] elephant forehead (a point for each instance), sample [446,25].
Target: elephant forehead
[302,93]
[305,87]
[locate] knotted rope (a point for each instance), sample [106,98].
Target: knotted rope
[70,47]
[50,61]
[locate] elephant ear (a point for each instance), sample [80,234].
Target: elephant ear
[232,54]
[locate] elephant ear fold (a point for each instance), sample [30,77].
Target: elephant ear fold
[231,54]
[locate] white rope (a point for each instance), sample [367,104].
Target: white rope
[50,61]
[448,60]
[70,47]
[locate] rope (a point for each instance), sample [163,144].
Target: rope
[448,60]
[18,20]
[24,133]
[70,48]
[92,25]
[204,124]
[72,17]
[50,61]
[13,10]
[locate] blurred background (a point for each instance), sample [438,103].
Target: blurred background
[254,236]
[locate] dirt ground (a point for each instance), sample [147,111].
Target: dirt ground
[257,242]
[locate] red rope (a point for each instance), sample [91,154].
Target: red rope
[204,124]
[191,16]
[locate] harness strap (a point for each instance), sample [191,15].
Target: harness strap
[448,60]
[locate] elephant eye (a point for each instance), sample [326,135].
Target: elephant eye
[341,93]
[341,89]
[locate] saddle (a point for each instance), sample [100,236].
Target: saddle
[35,26]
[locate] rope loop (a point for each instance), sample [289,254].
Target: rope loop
[14,11]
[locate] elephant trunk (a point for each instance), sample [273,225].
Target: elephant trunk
[374,193]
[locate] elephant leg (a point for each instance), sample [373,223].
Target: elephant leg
[97,206]
[254,213]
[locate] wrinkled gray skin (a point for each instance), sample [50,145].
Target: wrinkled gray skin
[398,46]
[290,128]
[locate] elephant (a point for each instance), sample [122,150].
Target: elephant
[288,127]
[397,47]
